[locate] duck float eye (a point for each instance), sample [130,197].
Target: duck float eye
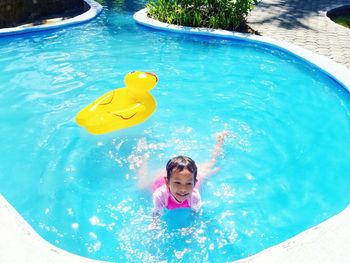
[122,107]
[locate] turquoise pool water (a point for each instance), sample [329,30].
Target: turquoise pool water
[285,170]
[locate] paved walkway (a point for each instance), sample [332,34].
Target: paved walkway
[304,23]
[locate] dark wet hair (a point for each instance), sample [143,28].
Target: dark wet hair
[180,163]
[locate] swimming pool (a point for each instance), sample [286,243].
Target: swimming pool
[285,170]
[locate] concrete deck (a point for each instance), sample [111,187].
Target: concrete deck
[304,23]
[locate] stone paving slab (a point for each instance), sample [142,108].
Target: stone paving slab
[304,23]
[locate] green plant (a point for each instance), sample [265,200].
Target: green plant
[224,14]
[343,20]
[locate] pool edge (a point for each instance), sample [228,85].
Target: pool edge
[94,11]
[336,71]
[326,242]
[19,242]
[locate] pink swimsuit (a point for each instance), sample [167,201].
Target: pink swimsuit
[162,198]
[172,204]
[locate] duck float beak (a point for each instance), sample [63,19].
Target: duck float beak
[152,74]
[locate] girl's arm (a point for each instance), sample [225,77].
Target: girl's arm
[208,168]
[142,173]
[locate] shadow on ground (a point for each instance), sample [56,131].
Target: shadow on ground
[291,14]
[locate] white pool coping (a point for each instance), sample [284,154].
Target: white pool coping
[95,9]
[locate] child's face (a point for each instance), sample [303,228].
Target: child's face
[181,184]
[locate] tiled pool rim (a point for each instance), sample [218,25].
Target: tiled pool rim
[94,10]
[326,242]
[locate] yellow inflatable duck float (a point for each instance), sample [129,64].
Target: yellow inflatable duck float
[121,108]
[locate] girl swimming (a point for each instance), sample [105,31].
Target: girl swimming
[179,188]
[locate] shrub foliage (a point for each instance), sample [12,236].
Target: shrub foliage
[224,14]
